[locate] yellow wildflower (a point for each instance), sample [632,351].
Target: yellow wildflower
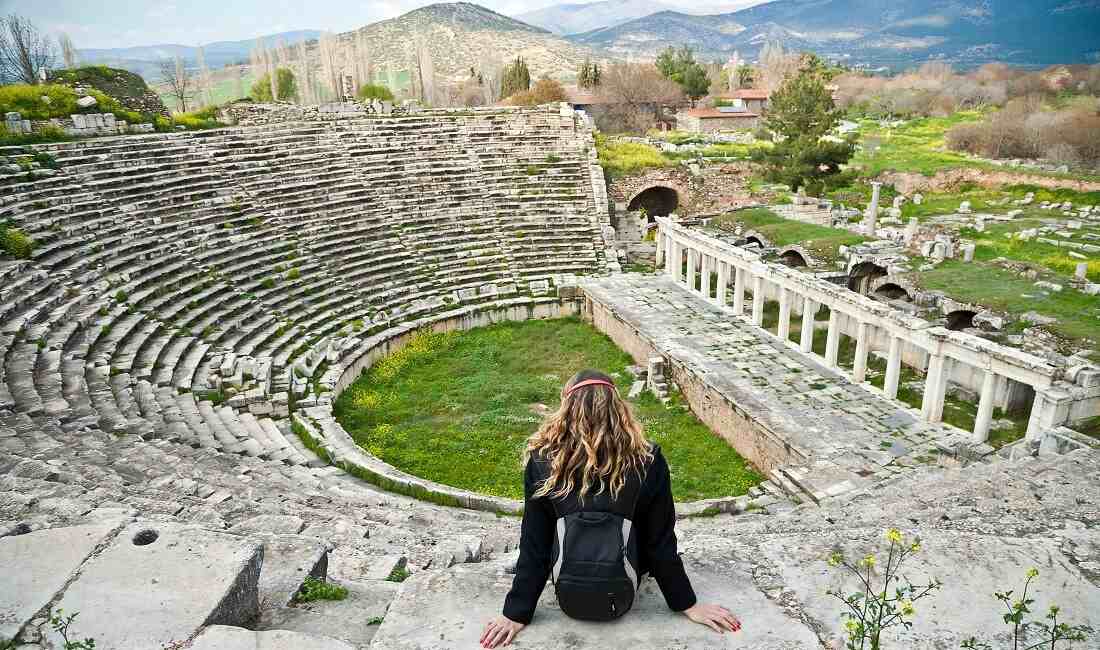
[868,561]
[906,608]
[894,535]
[1032,572]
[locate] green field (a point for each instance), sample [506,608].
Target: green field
[821,241]
[457,408]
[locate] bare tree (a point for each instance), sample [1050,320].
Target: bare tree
[424,68]
[68,52]
[178,80]
[203,80]
[635,96]
[775,66]
[330,67]
[25,53]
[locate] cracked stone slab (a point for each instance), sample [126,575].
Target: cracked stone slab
[37,565]
[971,566]
[147,590]
[439,610]
[224,637]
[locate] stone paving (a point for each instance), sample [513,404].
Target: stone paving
[850,432]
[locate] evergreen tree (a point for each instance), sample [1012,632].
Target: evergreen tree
[588,77]
[680,66]
[287,86]
[801,113]
[515,78]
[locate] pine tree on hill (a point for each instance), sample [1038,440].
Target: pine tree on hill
[516,78]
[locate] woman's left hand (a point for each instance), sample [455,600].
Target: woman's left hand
[499,632]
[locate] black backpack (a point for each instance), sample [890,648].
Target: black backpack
[594,563]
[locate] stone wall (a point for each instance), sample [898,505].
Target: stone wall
[81,125]
[702,189]
[751,438]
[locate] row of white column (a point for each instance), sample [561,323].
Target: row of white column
[671,254]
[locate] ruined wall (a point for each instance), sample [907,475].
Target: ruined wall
[763,448]
[707,189]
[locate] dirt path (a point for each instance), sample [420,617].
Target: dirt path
[950,180]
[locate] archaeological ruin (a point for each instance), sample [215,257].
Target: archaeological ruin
[171,469]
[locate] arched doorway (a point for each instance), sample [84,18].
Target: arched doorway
[890,291]
[753,240]
[862,275]
[658,201]
[793,259]
[960,319]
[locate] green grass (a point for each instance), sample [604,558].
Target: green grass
[399,574]
[821,241]
[314,589]
[919,146]
[624,158]
[457,408]
[999,289]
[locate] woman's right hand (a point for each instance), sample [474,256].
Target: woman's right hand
[715,617]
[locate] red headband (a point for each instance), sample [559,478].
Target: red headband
[589,382]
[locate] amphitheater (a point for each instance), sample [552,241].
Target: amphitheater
[172,471]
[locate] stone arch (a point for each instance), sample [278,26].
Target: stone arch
[960,319]
[796,257]
[885,288]
[752,237]
[658,199]
[862,275]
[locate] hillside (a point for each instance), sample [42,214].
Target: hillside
[129,89]
[1025,32]
[460,35]
[143,59]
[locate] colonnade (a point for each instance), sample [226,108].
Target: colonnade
[707,257]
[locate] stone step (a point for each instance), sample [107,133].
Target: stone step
[354,620]
[224,637]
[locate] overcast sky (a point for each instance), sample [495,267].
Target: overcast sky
[126,23]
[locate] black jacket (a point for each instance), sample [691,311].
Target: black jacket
[654,519]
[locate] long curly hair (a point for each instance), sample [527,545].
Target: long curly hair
[592,440]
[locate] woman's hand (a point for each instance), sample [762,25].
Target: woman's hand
[500,631]
[715,617]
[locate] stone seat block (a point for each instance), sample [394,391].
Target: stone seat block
[221,637]
[158,583]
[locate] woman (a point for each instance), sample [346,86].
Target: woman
[592,452]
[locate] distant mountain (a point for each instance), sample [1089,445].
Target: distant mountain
[899,33]
[578,18]
[143,59]
[462,35]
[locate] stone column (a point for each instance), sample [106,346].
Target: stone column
[704,284]
[985,408]
[859,367]
[758,301]
[784,330]
[871,222]
[893,368]
[673,261]
[931,409]
[832,342]
[660,261]
[723,283]
[1034,426]
[806,343]
[693,262]
[740,277]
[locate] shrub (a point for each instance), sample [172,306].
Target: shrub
[375,91]
[315,589]
[15,242]
[268,283]
[399,574]
[293,274]
[545,91]
[284,79]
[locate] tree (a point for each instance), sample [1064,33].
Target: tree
[515,78]
[776,65]
[68,52]
[180,85]
[745,75]
[589,75]
[634,96]
[801,112]
[680,66]
[286,85]
[25,53]
[545,91]
[368,92]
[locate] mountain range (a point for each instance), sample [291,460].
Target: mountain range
[899,33]
[143,59]
[577,18]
